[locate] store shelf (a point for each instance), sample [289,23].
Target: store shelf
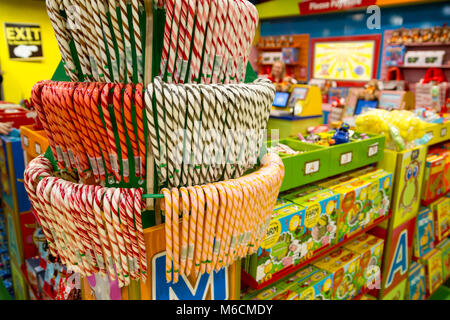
[426,44]
[278,48]
[425,67]
[251,282]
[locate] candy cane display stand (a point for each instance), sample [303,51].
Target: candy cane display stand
[154,186]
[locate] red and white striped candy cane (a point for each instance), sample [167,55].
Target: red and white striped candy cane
[115,202]
[169,6]
[129,195]
[125,233]
[140,232]
[127,94]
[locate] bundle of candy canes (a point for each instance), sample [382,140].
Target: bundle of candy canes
[221,222]
[204,40]
[82,120]
[207,41]
[107,38]
[206,133]
[90,228]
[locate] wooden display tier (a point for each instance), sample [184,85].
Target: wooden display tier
[248,280]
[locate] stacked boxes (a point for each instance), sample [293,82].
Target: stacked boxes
[433,267]
[416,282]
[344,265]
[423,235]
[441,211]
[444,247]
[433,180]
[370,248]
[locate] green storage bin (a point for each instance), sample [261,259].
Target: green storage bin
[309,166]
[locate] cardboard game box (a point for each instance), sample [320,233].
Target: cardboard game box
[433,266]
[370,248]
[441,211]
[416,282]
[344,265]
[424,233]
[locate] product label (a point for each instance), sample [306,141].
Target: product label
[312,215]
[272,235]
[346,158]
[25,140]
[312,167]
[373,150]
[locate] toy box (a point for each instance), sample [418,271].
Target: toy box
[290,55]
[280,289]
[395,55]
[433,180]
[378,194]
[352,208]
[343,264]
[446,175]
[416,282]
[424,233]
[370,248]
[444,247]
[433,266]
[282,246]
[441,212]
[316,287]
[320,218]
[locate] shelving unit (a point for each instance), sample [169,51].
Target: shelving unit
[247,280]
[299,69]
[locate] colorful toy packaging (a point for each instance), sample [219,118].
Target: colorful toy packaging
[370,248]
[378,195]
[280,290]
[282,246]
[424,234]
[320,217]
[444,247]
[416,282]
[444,152]
[441,211]
[433,180]
[344,265]
[316,287]
[353,210]
[433,265]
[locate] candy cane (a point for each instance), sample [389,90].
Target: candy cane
[179,99]
[168,229]
[210,43]
[36,92]
[191,9]
[95,198]
[97,23]
[219,28]
[176,35]
[61,39]
[112,5]
[140,232]
[84,198]
[137,39]
[184,24]
[105,100]
[197,133]
[79,42]
[129,195]
[219,239]
[160,106]
[169,6]
[235,219]
[215,213]
[115,202]
[200,225]
[152,132]
[124,230]
[112,235]
[175,234]
[192,229]
[189,141]
[184,229]
[126,39]
[129,126]
[114,71]
[227,41]
[208,228]
[139,103]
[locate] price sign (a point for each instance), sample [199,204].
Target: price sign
[312,167]
[443,132]
[25,141]
[346,158]
[373,150]
[37,148]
